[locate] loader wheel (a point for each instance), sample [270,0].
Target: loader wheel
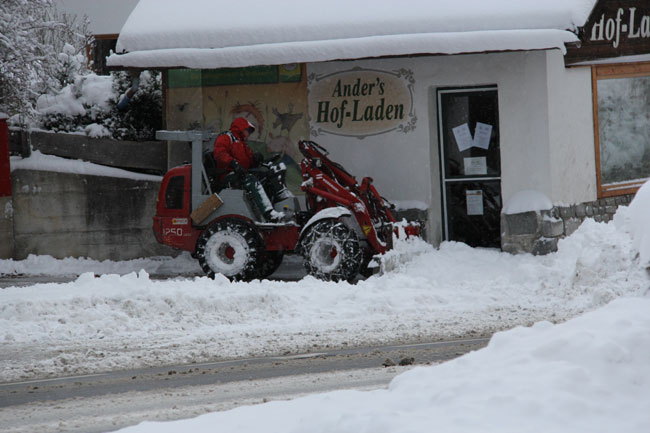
[270,263]
[331,251]
[231,247]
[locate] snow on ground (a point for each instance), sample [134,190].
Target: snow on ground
[586,375]
[44,162]
[49,266]
[100,322]
[589,374]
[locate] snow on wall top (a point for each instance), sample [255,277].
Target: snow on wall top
[220,34]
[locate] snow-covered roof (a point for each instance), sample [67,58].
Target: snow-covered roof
[214,34]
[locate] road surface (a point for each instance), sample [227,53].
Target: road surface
[112,400]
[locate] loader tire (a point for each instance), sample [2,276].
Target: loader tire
[231,247]
[331,251]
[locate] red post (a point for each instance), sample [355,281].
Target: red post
[5,170]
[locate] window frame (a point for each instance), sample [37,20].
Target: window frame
[173,187]
[606,72]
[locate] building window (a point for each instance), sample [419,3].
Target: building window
[100,48]
[291,73]
[622,127]
[174,194]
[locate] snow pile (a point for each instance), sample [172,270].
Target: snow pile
[586,375]
[636,218]
[410,204]
[43,162]
[526,201]
[48,265]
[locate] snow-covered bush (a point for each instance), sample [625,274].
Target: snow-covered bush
[45,81]
[89,105]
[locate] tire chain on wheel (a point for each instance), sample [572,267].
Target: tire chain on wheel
[250,235]
[352,254]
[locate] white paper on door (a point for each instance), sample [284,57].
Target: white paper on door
[463,136]
[474,198]
[475,166]
[482,134]
[480,139]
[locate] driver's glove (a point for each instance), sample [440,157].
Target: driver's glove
[236,167]
[258,158]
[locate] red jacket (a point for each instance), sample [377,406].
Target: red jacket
[231,145]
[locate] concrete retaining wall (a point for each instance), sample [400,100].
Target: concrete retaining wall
[72,215]
[144,156]
[539,232]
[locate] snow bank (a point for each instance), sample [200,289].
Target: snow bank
[48,265]
[410,204]
[41,161]
[637,219]
[586,375]
[526,201]
[426,293]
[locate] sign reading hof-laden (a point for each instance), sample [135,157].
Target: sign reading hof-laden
[361,102]
[615,28]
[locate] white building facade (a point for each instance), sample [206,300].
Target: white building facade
[496,148]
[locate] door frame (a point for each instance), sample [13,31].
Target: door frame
[441,148]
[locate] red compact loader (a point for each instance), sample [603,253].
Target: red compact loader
[344,223]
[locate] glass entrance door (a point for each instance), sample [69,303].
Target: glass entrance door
[468,122]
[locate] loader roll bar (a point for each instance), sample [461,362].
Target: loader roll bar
[197,138]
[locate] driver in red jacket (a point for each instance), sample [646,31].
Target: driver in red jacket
[232,153]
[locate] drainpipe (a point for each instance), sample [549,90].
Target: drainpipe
[128,96]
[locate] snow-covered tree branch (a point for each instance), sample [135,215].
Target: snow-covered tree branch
[32,35]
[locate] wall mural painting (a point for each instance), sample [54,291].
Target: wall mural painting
[274,98]
[283,143]
[273,134]
[280,124]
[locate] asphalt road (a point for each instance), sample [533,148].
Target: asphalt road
[157,378]
[108,401]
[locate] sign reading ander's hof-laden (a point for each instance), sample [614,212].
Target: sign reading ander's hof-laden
[361,102]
